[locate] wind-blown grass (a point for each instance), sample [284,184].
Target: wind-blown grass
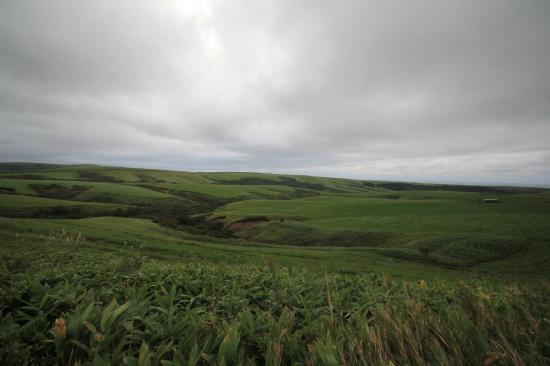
[62,303]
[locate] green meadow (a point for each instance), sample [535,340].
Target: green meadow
[110,266]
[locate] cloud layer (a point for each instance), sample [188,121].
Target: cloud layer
[453,91]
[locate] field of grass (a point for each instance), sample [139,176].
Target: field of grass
[105,265]
[437,226]
[66,301]
[115,234]
[228,191]
[458,229]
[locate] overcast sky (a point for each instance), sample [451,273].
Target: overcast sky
[438,90]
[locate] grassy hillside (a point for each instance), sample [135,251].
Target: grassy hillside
[176,268]
[439,226]
[68,300]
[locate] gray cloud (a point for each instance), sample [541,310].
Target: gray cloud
[446,91]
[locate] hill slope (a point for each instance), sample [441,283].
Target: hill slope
[444,226]
[103,265]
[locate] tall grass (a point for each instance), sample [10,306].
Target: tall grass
[77,307]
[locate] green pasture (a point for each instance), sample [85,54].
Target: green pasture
[462,213]
[120,234]
[348,225]
[124,234]
[228,191]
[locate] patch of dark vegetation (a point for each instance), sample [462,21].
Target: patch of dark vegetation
[300,193]
[7,190]
[370,184]
[58,191]
[247,223]
[107,197]
[143,178]
[202,203]
[185,211]
[292,233]
[457,251]
[359,185]
[355,239]
[291,182]
[282,181]
[97,177]
[296,218]
[408,255]
[389,196]
[156,188]
[196,224]
[205,202]
[174,215]
[62,212]
[25,176]
[178,212]
[215,202]
[24,167]
[296,194]
[252,219]
[403,186]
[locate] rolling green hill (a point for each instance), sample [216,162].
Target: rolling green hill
[439,226]
[179,268]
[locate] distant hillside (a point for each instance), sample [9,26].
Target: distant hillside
[448,226]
